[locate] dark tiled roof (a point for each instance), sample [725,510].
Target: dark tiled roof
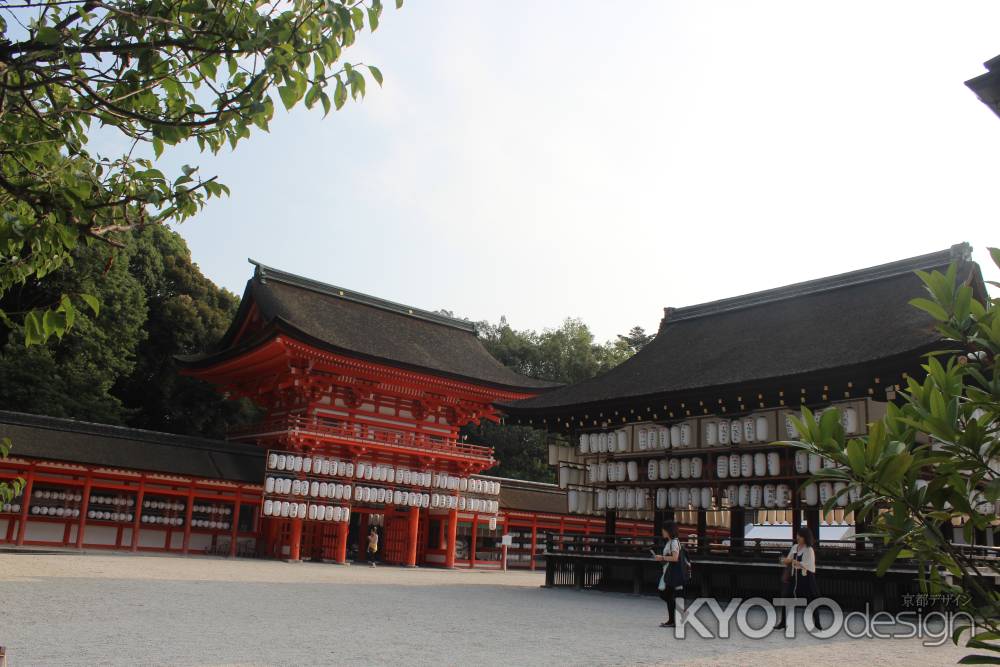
[361,325]
[71,441]
[842,321]
[524,496]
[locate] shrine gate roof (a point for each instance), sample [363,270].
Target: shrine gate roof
[360,325]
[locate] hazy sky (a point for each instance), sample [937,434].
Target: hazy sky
[603,160]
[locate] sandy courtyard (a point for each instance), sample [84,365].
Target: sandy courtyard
[127,610]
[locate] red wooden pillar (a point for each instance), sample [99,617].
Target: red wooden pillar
[472,541]
[84,508]
[187,522]
[449,554]
[340,550]
[235,523]
[22,524]
[534,539]
[413,527]
[363,535]
[139,497]
[295,540]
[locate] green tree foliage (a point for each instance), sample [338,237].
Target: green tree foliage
[567,354]
[117,367]
[149,74]
[934,460]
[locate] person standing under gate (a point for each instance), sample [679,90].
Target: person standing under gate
[373,546]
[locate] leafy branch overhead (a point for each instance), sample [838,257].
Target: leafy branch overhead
[931,466]
[151,74]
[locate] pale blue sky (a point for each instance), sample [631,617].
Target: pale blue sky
[603,160]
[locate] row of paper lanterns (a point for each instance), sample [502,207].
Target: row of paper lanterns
[11,508]
[46,510]
[371,494]
[46,494]
[716,433]
[310,511]
[380,473]
[755,496]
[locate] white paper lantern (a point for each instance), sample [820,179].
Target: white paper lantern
[842,498]
[675,436]
[791,432]
[706,498]
[312,512]
[282,462]
[369,472]
[642,439]
[825,492]
[685,468]
[760,464]
[733,494]
[749,429]
[696,467]
[584,443]
[272,460]
[307,464]
[572,500]
[770,496]
[782,495]
[675,468]
[286,508]
[293,511]
[269,485]
[630,498]
[849,420]
[743,499]
[652,470]
[682,497]
[602,472]
[735,464]
[663,437]
[664,469]
[297,464]
[801,462]
[633,471]
[810,494]
[735,432]
[686,439]
[723,433]
[694,498]
[348,470]
[314,489]
[756,495]
[622,499]
[722,466]
[761,429]
[268,506]
[622,439]
[711,433]
[612,499]
[746,465]
[773,464]
[815,463]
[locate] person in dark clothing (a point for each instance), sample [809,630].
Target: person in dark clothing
[672,580]
[802,582]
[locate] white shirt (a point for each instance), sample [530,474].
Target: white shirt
[808,557]
[671,547]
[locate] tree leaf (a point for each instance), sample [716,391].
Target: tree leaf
[92,301]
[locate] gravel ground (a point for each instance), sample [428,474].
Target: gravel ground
[89,609]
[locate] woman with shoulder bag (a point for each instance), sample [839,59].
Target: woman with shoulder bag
[672,578]
[800,581]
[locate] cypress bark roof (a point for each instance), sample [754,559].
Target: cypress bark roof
[365,326]
[68,440]
[820,325]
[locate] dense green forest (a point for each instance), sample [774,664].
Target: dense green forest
[116,367]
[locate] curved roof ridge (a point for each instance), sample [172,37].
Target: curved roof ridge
[960,252]
[264,273]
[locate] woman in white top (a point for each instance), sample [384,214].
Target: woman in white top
[802,582]
[671,559]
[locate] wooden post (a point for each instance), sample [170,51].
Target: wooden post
[737,528]
[295,540]
[363,535]
[340,549]
[22,524]
[859,527]
[534,539]
[187,522]
[610,523]
[413,527]
[812,520]
[139,497]
[472,541]
[449,554]
[235,523]
[84,508]
[702,546]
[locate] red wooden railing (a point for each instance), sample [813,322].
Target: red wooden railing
[363,434]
